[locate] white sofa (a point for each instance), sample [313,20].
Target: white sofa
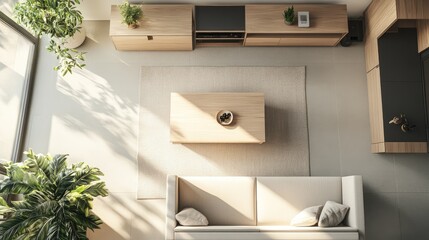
[259,208]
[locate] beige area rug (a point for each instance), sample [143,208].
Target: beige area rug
[285,152]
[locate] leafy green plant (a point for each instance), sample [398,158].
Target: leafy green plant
[59,19]
[56,199]
[289,15]
[130,14]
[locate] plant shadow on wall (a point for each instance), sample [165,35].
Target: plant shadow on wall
[52,200]
[110,115]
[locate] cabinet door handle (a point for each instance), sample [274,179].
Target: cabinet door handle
[149,38]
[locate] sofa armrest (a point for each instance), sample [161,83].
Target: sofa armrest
[352,192]
[172,202]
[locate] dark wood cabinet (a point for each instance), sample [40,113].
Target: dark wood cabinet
[402,85]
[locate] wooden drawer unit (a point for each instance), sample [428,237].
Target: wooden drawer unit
[262,41]
[265,25]
[147,43]
[163,27]
[311,40]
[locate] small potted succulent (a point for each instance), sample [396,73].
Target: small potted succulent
[131,14]
[289,16]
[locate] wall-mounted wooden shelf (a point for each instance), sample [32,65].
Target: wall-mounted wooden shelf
[265,25]
[170,27]
[193,118]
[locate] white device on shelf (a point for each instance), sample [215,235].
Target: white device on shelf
[303,19]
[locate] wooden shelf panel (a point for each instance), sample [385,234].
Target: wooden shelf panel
[375,106]
[167,20]
[400,147]
[324,18]
[422,9]
[423,34]
[219,44]
[308,40]
[262,41]
[193,118]
[380,15]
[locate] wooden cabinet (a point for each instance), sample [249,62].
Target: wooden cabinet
[422,9]
[383,14]
[395,84]
[263,41]
[423,34]
[379,17]
[375,106]
[193,118]
[265,25]
[163,27]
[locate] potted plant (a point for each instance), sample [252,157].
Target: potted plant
[61,21]
[289,16]
[131,14]
[56,199]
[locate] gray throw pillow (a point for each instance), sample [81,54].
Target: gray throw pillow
[332,214]
[191,217]
[307,217]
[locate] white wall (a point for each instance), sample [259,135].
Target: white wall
[93,115]
[6,6]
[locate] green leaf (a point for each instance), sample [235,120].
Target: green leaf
[4,207]
[57,19]
[3,202]
[57,198]
[10,186]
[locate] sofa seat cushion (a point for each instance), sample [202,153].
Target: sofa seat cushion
[217,229]
[262,229]
[279,199]
[305,229]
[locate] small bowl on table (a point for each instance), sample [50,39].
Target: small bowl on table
[224,117]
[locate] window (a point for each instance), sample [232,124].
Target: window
[17,63]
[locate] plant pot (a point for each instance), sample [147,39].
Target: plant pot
[288,23]
[133,26]
[76,40]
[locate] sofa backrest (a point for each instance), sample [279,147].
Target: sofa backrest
[223,200]
[279,199]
